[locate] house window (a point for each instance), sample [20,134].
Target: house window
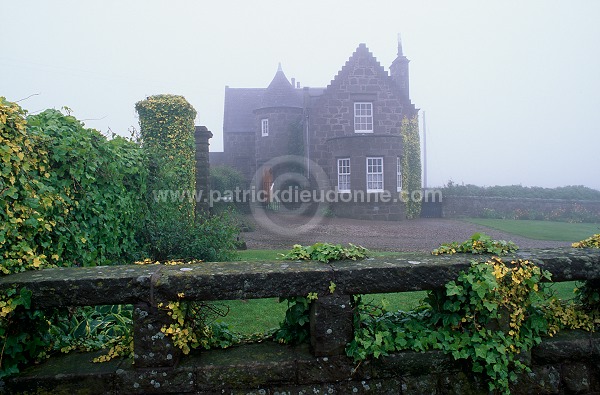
[398,174]
[374,174]
[343,166]
[363,117]
[264,125]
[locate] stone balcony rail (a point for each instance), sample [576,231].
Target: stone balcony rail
[145,286]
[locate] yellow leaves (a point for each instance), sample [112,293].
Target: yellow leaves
[36,262]
[312,296]
[591,242]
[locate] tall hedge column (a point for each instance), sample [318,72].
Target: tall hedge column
[167,132]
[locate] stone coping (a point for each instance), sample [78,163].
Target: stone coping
[263,279]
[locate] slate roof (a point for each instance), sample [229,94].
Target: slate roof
[280,93]
[240,104]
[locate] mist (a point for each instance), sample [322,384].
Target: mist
[509,89]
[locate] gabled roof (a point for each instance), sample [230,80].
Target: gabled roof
[361,58]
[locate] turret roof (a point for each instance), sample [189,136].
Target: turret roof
[280,93]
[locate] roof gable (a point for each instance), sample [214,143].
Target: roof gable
[363,66]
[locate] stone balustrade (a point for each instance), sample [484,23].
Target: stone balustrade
[321,367]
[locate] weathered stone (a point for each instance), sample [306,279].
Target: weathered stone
[541,380]
[152,348]
[328,369]
[85,286]
[420,385]
[331,324]
[154,381]
[461,383]
[252,366]
[202,136]
[412,363]
[576,378]
[66,374]
[249,280]
[575,345]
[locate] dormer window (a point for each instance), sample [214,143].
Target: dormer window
[264,126]
[363,117]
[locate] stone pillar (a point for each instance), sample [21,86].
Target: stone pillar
[202,135]
[151,347]
[330,325]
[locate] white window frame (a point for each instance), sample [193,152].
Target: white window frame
[264,127]
[399,174]
[343,170]
[375,174]
[363,117]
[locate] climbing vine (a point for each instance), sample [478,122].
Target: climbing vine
[167,136]
[591,242]
[69,196]
[487,316]
[326,252]
[411,166]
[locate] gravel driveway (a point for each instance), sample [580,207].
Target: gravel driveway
[415,235]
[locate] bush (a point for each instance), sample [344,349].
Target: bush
[69,196]
[210,238]
[226,178]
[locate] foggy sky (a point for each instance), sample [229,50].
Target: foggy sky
[510,89]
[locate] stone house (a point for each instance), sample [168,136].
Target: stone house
[349,129]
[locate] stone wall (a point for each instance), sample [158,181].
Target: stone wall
[565,364]
[511,208]
[239,151]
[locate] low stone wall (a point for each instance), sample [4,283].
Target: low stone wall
[566,364]
[510,208]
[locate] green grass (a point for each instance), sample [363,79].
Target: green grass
[260,255]
[254,316]
[540,230]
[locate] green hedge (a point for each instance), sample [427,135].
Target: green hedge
[69,196]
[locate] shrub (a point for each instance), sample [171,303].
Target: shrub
[69,196]
[226,178]
[479,243]
[326,252]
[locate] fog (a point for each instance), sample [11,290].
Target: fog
[510,88]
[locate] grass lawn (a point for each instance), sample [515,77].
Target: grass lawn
[540,230]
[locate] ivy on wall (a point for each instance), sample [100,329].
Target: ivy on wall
[411,166]
[167,134]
